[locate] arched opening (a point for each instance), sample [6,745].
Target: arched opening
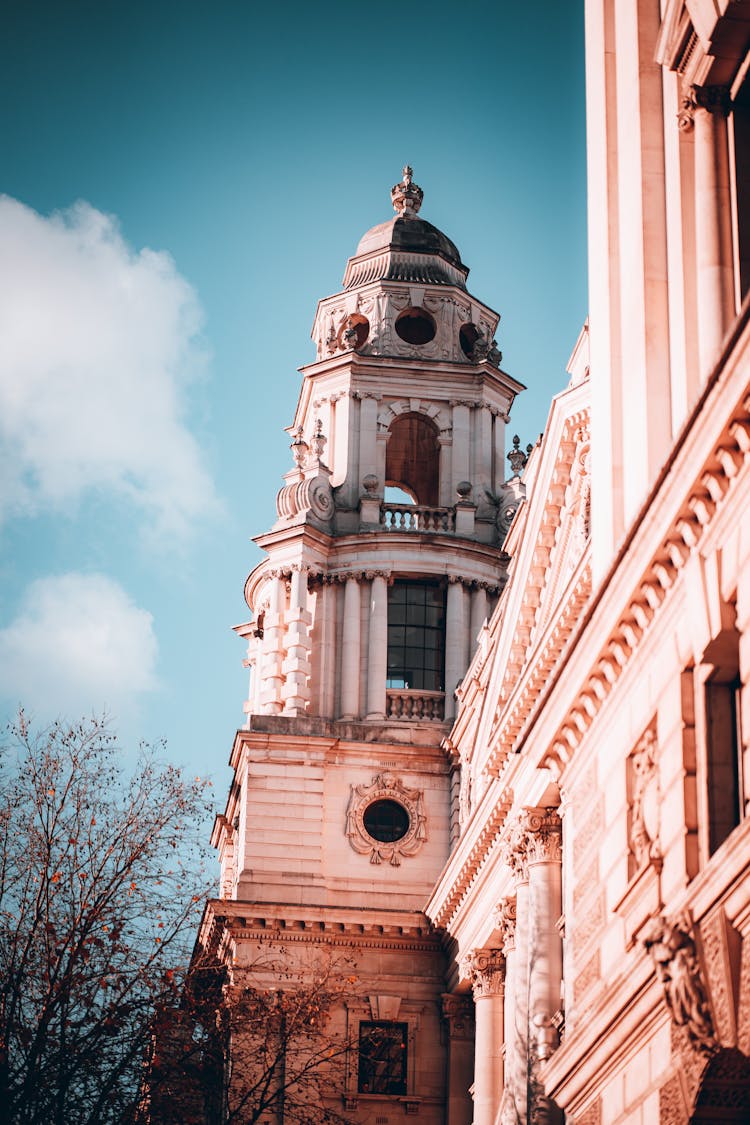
[412,460]
[468,334]
[415,326]
[724,1092]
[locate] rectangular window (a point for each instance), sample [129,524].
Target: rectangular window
[382,1057]
[416,636]
[723,760]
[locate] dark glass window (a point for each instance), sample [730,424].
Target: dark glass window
[723,760]
[386,821]
[416,636]
[382,1057]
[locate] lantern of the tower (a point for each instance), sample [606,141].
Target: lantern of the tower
[386,555]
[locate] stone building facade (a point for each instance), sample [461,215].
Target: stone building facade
[498,737]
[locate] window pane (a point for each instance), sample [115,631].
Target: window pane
[416,650]
[382,1057]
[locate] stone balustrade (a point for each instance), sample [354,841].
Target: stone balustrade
[406,703]
[416,517]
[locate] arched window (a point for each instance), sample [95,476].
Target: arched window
[412,460]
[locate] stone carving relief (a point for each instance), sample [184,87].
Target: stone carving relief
[643,783]
[672,948]
[504,920]
[465,795]
[485,969]
[458,1013]
[542,835]
[514,854]
[385,786]
[309,489]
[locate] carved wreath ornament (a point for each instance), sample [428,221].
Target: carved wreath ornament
[386,787]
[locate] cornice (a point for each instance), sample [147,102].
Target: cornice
[244,922]
[669,529]
[464,869]
[660,545]
[524,689]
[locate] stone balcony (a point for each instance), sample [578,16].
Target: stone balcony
[417,517]
[415,705]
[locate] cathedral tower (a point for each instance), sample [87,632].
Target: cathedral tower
[380,571]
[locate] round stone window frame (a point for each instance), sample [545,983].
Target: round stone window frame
[386,787]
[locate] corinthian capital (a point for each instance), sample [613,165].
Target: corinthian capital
[514,853]
[504,918]
[485,969]
[542,829]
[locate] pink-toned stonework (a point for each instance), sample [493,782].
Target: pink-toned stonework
[562,916]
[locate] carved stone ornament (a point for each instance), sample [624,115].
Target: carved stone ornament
[458,1013]
[386,787]
[644,811]
[517,457]
[672,949]
[542,832]
[311,495]
[504,919]
[485,969]
[514,853]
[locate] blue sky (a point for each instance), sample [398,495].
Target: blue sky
[182,182]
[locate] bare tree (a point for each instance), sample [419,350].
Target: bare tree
[99,899]
[287,1044]
[275,1045]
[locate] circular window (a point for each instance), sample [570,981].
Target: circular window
[415,326]
[468,335]
[386,821]
[354,331]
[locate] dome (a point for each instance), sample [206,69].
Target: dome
[410,234]
[406,247]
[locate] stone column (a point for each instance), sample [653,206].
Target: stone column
[482,475]
[498,452]
[458,1013]
[296,666]
[486,969]
[456,641]
[713,222]
[271,674]
[479,613]
[516,1051]
[324,630]
[350,651]
[368,446]
[460,468]
[445,495]
[544,859]
[377,649]
[505,923]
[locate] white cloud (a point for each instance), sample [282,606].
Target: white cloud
[97,343]
[78,643]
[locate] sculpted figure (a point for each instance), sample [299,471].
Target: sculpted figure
[675,959]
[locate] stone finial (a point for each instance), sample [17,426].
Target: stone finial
[407,196]
[318,442]
[517,457]
[299,447]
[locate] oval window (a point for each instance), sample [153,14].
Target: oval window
[415,326]
[386,821]
[354,331]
